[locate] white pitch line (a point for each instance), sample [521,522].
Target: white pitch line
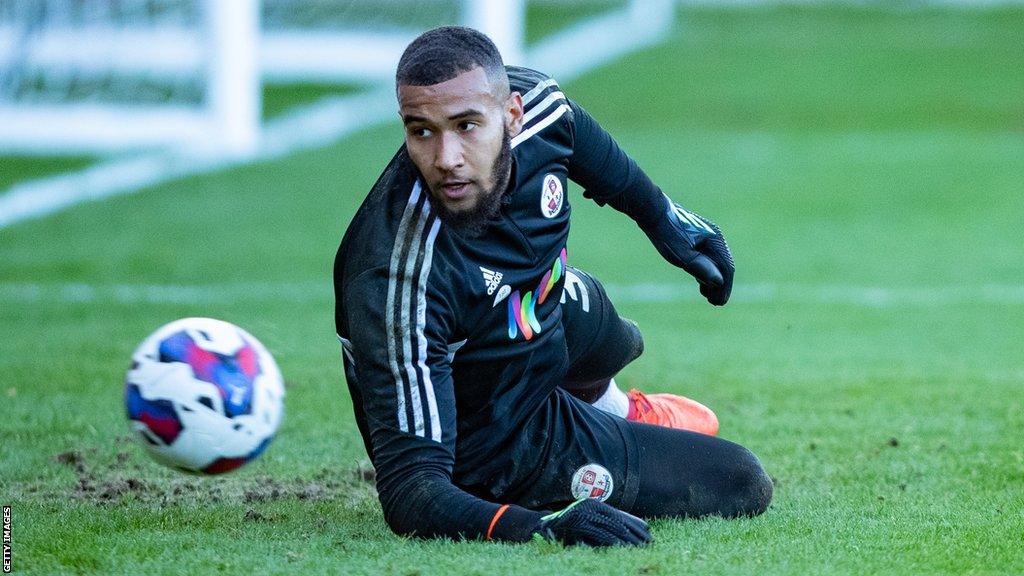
[572,50]
[76,292]
[868,296]
[645,293]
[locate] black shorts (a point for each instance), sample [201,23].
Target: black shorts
[586,453]
[569,447]
[570,450]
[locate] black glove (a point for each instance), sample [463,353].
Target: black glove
[593,523]
[696,245]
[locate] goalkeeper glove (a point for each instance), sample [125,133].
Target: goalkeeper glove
[593,523]
[696,245]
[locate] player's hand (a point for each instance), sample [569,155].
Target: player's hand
[696,245]
[593,523]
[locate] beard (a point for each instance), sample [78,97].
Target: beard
[474,221]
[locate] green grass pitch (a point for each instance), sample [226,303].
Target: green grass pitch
[867,167]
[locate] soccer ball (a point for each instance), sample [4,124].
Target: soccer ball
[203,395]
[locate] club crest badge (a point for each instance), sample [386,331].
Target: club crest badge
[592,481]
[551,196]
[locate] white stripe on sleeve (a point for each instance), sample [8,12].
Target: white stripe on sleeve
[403,421]
[542,106]
[529,96]
[421,320]
[547,121]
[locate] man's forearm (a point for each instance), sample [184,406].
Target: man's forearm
[609,176]
[684,239]
[428,505]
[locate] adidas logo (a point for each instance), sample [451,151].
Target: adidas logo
[492,278]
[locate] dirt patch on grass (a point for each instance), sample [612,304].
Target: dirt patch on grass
[120,476]
[71,458]
[273,489]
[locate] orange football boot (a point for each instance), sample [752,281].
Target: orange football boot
[671,411]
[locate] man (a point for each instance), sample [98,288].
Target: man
[473,351]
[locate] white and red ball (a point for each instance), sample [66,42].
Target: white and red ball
[204,395]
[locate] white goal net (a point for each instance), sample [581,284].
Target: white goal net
[98,76]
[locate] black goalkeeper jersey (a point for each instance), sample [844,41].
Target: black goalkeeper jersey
[451,343]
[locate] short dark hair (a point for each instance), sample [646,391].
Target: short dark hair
[443,53]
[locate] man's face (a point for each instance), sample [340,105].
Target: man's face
[455,131]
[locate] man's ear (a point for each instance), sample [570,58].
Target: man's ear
[514,113]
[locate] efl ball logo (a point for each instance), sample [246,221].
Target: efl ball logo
[551,196]
[592,481]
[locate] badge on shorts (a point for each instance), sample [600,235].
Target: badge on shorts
[551,196]
[592,481]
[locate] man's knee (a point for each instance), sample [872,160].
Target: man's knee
[634,338]
[600,342]
[736,485]
[613,349]
[751,488]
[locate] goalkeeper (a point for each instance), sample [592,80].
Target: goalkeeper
[480,364]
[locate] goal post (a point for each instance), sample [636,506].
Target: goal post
[234,88]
